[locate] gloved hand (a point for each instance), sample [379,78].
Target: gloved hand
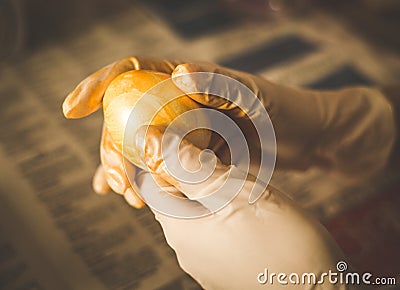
[87,98]
[230,248]
[350,130]
[312,128]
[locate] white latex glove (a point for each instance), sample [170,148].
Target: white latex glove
[228,249]
[350,130]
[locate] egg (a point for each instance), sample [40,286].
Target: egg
[139,97]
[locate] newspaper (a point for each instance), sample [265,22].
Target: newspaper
[55,232]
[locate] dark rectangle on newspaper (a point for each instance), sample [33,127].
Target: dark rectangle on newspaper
[347,75]
[270,54]
[194,18]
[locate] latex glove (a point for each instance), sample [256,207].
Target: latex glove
[351,130]
[228,249]
[87,98]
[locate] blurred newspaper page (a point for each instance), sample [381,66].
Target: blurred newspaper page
[55,232]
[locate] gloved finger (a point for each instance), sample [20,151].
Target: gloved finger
[132,198]
[188,84]
[193,172]
[114,171]
[87,97]
[101,186]
[237,101]
[143,179]
[99,182]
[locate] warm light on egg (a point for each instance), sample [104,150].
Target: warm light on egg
[123,94]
